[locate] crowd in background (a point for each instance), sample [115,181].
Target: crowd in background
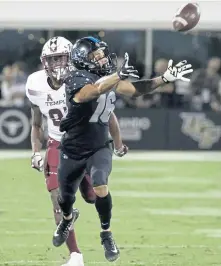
[13,79]
[202,93]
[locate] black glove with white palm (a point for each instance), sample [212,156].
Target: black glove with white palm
[127,71]
[177,72]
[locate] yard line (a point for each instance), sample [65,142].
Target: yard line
[214,233]
[198,211]
[162,180]
[208,231]
[39,220]
[167,195]
[48,232]
[32,232]
[41,262]
[27,220]
[28,262]
[166,246]
[156,156]
[176,156]
[213,194]
[151,168]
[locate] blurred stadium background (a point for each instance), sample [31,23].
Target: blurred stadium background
[167,190]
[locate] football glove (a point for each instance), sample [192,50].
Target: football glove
[177,72]
[37,161]
[127,71]
[122,151]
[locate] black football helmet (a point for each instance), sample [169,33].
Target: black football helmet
[93,55]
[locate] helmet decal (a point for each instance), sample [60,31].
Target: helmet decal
[53,44]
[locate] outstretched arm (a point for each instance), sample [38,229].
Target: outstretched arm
[139,87]
[145,86]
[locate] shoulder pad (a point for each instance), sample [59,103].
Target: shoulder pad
[78,79]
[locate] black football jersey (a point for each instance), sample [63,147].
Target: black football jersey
[86,124]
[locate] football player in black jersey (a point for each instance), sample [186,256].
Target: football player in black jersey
[91,99]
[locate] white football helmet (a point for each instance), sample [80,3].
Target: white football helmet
[55,58]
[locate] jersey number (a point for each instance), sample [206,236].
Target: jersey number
[56,116]
[106,105]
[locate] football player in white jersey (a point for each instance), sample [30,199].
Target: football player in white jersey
[46,92]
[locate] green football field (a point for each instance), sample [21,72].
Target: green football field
[165,213]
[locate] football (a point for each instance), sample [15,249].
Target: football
[186,17]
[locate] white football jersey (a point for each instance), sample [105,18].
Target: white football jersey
[52,103]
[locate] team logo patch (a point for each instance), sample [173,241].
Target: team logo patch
[201,129]
[14,127]
[49,98]
[53,44]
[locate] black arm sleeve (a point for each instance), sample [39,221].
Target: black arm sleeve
[142,87]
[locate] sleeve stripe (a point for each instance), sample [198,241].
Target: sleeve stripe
[34,93]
